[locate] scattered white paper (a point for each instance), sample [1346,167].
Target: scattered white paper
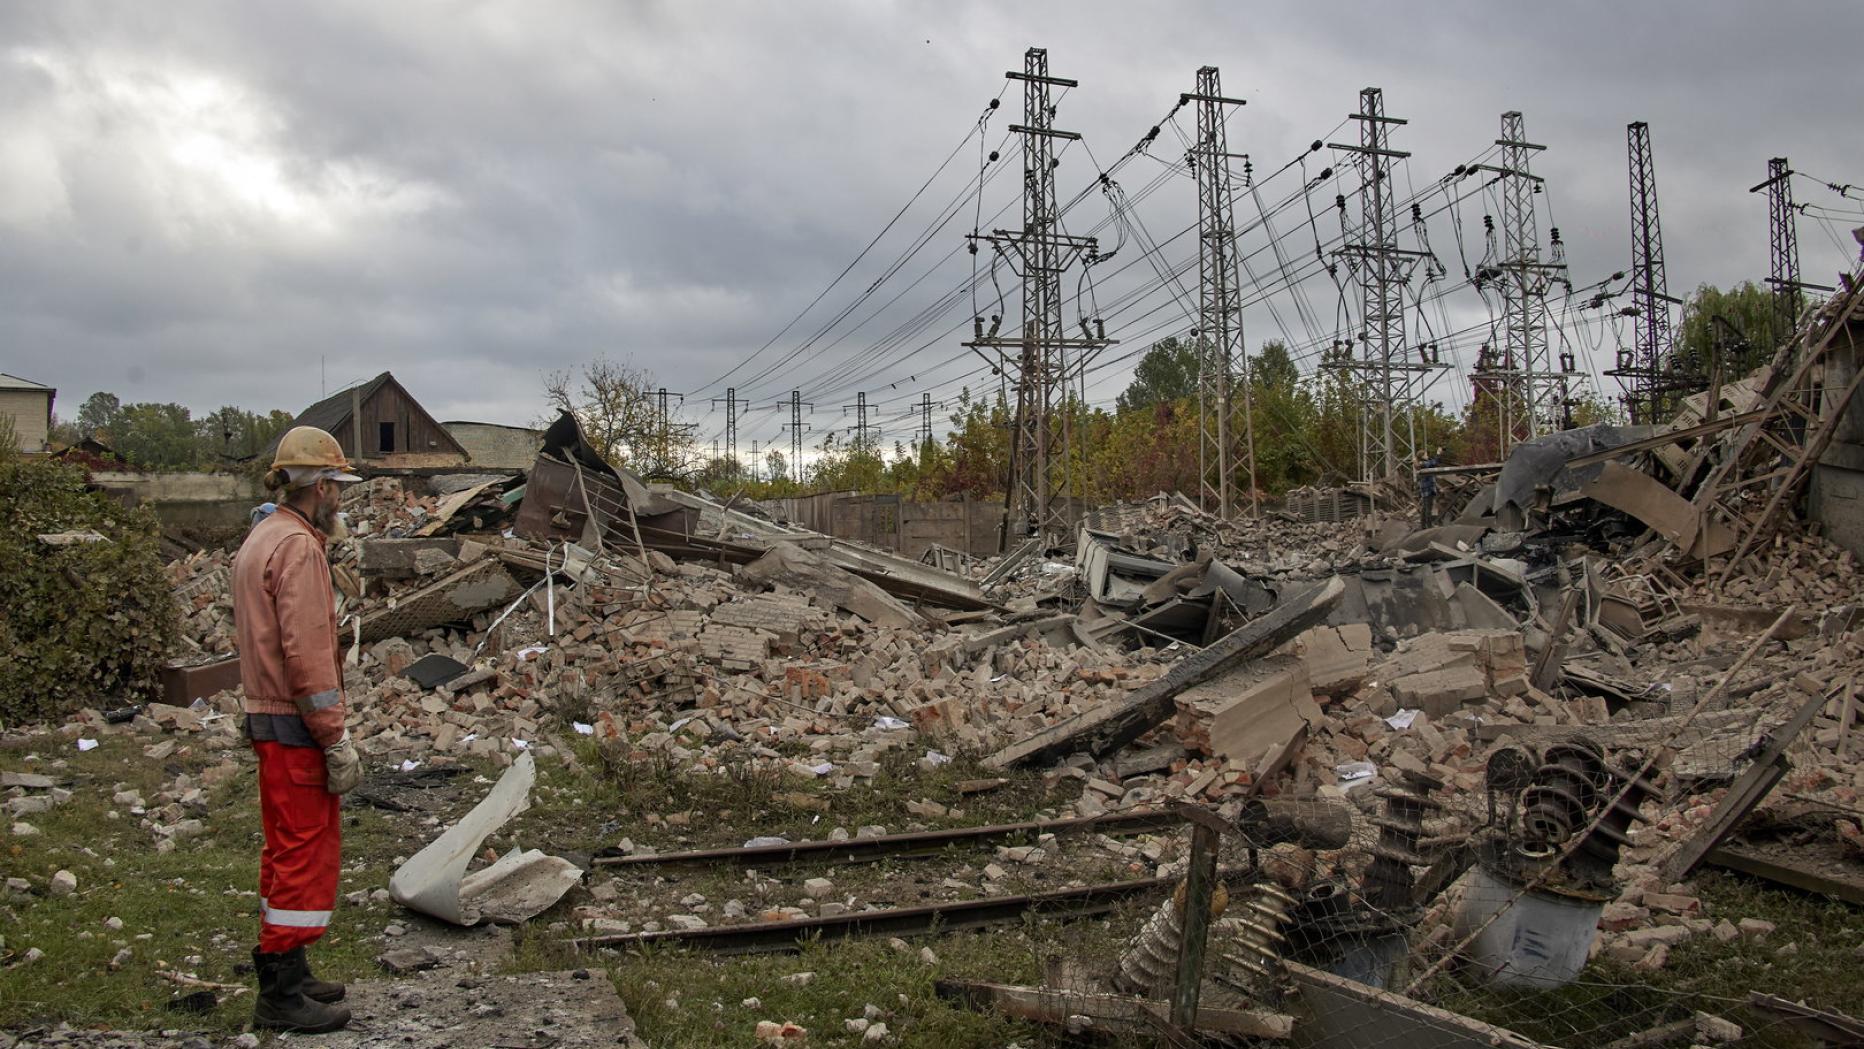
[531,650]
[582,729]
[765,842]
[408,765]
[1402,720]
[469,737]
[936,758]
[888,722]
[1355,773]
[823,769]
[86,744]
[521,744]
[680,724]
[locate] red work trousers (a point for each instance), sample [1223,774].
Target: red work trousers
[303,847]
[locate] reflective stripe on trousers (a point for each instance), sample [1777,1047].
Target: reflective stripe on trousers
[303,846]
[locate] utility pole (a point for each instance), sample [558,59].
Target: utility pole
[797,428]
[1530,372]
[667,432]
[731,426]
[1219,312]
[1646,369]
[1783,250]
[859,407]
[1384,269]
[664,432]
[1039,254]
[925,424]
[754,461]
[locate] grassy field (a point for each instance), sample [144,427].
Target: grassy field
[193,909]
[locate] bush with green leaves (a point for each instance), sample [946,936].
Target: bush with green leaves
[82,624]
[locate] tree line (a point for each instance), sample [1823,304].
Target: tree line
[1306,427]
[164,436]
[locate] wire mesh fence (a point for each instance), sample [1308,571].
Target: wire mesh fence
[1411,912]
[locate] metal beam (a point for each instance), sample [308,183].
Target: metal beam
[765,937]
[903,845]
[1644,444]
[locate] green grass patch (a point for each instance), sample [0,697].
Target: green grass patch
[193,909]
[1815,955]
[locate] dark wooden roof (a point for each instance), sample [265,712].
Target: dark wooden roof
[332,414]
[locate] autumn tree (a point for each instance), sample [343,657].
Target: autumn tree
[619,412]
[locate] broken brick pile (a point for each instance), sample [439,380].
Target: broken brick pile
[691,663]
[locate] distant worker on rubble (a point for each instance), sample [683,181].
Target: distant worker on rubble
[291,671]
[1427,489]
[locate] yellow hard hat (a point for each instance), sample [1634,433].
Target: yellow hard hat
[308,446]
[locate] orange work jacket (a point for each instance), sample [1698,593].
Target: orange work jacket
[285,618]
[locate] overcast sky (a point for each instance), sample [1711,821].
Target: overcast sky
[250,202]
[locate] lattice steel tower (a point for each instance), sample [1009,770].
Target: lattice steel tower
[1526,279]
[1783,249]
[1227,437]
[1039,254]
[1646,369]
[1389,438]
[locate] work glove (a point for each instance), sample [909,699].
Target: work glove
[342,766]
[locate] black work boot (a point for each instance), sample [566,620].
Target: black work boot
[321,990]
[282,1005]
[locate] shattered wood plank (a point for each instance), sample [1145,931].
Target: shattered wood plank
[1748,791]
[1117,1011]
[1776,866]
[1113,725]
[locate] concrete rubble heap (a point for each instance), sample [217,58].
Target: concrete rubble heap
[1462,691]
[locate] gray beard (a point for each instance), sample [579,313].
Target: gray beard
[325,517]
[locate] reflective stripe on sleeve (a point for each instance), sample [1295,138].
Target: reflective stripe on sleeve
[319,700]
[295,919]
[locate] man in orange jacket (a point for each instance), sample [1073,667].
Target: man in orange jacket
[291,672]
